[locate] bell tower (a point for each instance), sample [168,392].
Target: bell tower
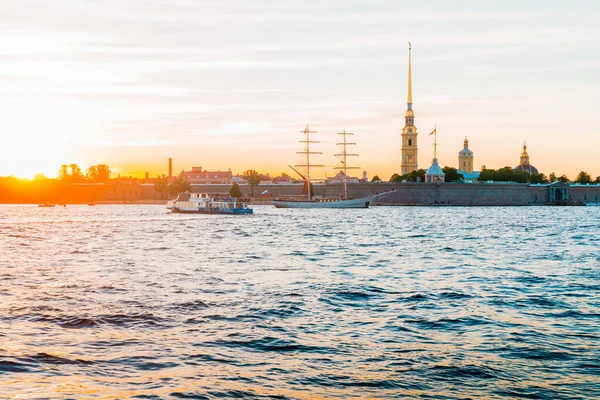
[409,132]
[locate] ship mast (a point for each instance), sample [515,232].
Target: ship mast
[344,154]
[307,152]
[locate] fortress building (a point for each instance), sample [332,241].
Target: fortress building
[409,132]
[465,159]
[525,166]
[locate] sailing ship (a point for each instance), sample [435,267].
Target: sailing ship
[310,201]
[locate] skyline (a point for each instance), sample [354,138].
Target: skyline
[132,83]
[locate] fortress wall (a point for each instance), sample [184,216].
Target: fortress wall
[462,194]
[584,193]
[484,194]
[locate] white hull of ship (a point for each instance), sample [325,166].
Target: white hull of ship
[363,202]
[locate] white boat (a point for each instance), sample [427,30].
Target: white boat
[207,203]
[309,201]
[363,202]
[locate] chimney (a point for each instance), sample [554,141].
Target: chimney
[170,167]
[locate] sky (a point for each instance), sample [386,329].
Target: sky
[231,84]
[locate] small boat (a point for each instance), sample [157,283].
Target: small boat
[309,201]
[206,203]
[46,205]
[593,203]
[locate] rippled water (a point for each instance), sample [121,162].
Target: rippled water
[129,301]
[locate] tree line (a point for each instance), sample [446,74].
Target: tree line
[72,173]
[505,174]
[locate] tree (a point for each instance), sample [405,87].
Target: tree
[91,174]
[597,180]
[552,177]
[376,178]
[179,185]
[452,174]
[76,174]
[563,179]
[539,178]
[253,179]
[583,178]
[63,172]
[417,175]
[162,185]
[104,173]
[235,191]
[40,177]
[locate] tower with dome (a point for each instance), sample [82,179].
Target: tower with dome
[525,165]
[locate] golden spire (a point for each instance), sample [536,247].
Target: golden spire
[409,77]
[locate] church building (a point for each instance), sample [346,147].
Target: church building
[465,159]
[524,165]
[409,132]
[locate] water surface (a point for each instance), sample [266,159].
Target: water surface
[389,302]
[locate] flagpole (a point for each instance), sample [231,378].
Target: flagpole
[435,142]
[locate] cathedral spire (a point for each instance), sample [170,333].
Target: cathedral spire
[409,77]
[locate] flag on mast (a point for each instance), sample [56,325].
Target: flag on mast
[433,132]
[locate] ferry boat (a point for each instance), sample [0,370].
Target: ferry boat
[334,202]
[206,203]
[46,205]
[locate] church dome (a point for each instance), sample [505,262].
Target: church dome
[465,152]
[527,168]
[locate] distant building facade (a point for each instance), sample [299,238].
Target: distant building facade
[409,132]
[198,176]
[339,178]
[525,165]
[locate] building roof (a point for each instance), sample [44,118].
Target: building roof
[527,168]
[435,169]
[473,175]
[465,152]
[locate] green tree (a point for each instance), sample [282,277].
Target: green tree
[417,175]
[583,178]
[452,174]
[552,177]
[252,178]
[162,185]
[396,178]
[563,178]
[179,185]
[376,178]
[539,178]
[597,180]
[235,191]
